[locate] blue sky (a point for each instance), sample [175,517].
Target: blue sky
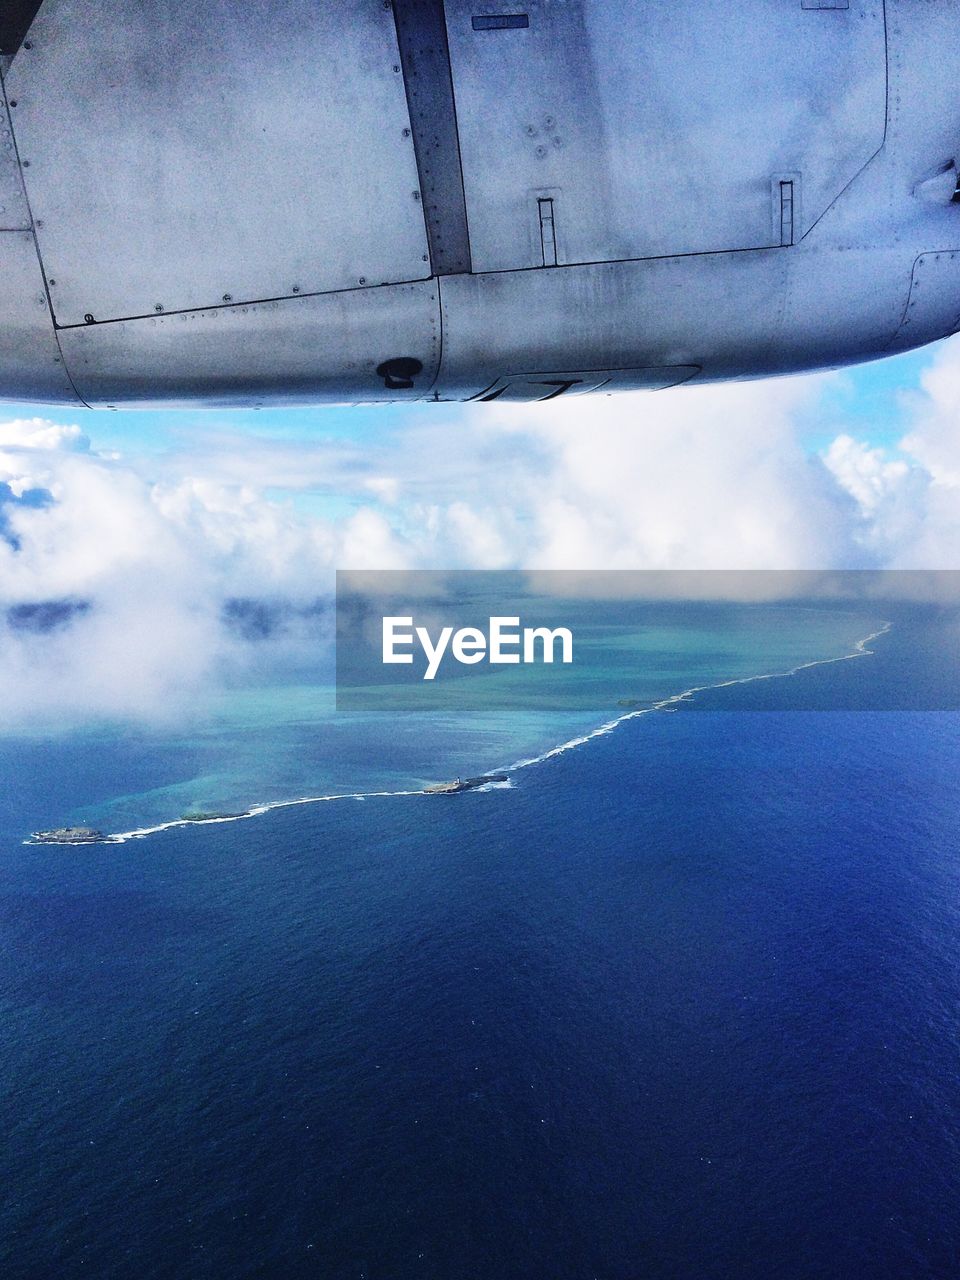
[866,400]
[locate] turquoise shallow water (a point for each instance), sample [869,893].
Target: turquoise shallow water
[264,743]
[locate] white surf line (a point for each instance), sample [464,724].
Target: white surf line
[255,811]
[860,650]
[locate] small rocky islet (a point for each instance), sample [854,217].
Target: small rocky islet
[71,835]
[216,815]
[462,784]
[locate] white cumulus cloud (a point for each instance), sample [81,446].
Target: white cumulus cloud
[130,585]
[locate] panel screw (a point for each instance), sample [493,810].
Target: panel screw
[158,307]
[296,288]
[26,164]
[416,195]
[426,257]
[52,282]
[363,280]
[39,223]
[88,318]
[228,297]
[395,67]
[406,133]
[13,102]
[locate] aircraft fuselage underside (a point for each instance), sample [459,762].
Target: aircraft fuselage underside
[235,204]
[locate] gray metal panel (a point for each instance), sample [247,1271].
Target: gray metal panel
[30,365]
[933,309]
[731,314]
[180,153]
[14,215]
[659,123]
[644,316]
[840,307]
[289,352]
[422,35]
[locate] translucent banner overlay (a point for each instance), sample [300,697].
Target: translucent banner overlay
[620,642]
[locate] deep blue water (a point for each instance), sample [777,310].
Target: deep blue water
[683,1003]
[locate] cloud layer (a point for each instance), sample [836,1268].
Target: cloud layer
[132,586]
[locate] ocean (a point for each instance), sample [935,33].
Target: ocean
[680,1001]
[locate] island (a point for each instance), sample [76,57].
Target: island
[200,815]
[71,835]
[462,784]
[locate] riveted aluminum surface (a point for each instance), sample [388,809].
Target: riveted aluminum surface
[14,215]
[293,351]
[933,308]
[659,124]
[422,36]
[30,364]
[839,294]
[698,311]
[182,152]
